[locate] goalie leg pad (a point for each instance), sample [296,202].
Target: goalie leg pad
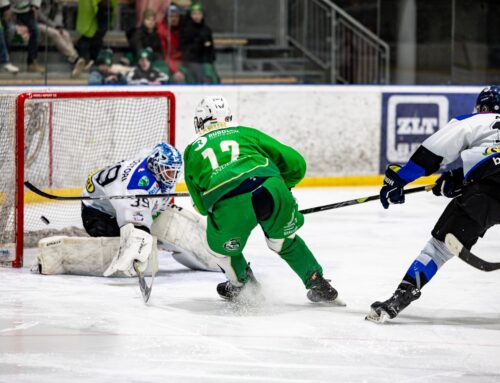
[75,255]
[184,233]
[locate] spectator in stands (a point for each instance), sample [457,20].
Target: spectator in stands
[93,20]
[157,6]
[197,47]
[50,23]
[144,73]
[5,64]
[169,30]
[103,73]
[146,36]
[27,14]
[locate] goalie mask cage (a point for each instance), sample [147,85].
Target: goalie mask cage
[54,140]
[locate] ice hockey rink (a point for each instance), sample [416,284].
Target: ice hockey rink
[84,329]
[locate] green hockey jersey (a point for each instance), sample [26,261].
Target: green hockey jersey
[222,159]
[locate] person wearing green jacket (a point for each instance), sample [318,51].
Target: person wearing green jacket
[239,178]
[94,18]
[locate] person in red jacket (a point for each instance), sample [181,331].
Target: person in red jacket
[169,31]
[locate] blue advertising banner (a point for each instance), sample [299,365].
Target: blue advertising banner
[409,118]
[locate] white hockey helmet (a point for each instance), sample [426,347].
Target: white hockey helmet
[165,162]
[213,112]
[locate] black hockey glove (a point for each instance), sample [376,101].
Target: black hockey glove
[392,191]
[450,183]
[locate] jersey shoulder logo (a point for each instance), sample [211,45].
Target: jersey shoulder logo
[491,150]
[199,143]
[89,185]
[144,181]
[141,178]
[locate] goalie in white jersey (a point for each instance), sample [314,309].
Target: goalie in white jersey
[125,230]
[474,188]
[131,219]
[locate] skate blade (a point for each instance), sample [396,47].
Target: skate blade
[335,303]
[374,317]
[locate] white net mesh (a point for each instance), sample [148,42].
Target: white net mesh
[65,139]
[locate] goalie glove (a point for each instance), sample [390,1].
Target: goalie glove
[392,191]
[450,183]
[135,246]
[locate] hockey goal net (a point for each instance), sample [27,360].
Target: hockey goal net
[53,140]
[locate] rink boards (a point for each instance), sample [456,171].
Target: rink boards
[347,134]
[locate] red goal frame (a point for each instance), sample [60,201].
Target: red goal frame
[19,154]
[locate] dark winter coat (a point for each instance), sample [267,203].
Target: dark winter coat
[197,44]
[141,38]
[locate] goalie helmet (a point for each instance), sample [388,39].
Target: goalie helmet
[488,100]
[165,162]
[212,112]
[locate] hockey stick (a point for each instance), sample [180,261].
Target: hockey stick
[145,289]
[358,201]
[456,247]
[41,193]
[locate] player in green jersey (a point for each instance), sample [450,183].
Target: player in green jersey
[240,178]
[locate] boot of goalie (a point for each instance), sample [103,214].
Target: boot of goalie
[402,297]
[230,292]
[320,290]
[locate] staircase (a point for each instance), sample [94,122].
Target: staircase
[259,59]
[344,49]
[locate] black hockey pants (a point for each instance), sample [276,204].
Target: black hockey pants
[471,214]
[99,224]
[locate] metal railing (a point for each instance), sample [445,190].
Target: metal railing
[347,51]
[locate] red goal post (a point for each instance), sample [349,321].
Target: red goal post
[55,140]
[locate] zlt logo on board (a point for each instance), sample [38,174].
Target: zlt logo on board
[409,118]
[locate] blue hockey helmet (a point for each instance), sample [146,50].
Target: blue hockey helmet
[488,100]
[165,162]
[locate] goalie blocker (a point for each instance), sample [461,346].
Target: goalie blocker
[176,230]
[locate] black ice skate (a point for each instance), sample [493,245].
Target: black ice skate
[230,292]
[402,297]
[321,290]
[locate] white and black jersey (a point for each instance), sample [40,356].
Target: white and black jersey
[138,76]
[474,137]
[126,178]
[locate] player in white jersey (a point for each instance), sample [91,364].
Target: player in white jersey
[475,206]
[152,174]
[131,219]
[125,230]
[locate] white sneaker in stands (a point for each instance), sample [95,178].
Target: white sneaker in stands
[8,67]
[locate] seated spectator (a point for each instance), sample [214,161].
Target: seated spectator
[169,30]
[50,22]
[197,47]
[5,64]
[92,24]
[103,73]
[144,73]
[146,37]
[27,14]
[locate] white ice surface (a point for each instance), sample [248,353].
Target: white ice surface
[81,329]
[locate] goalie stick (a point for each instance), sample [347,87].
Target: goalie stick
[358,201]
[456,247]
[41,193]
[145,289]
